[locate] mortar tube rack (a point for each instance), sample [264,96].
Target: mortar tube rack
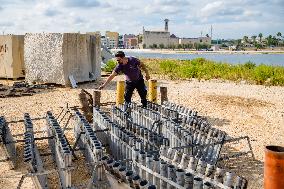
[126,175]
[146,117]
[116,142]
[32,156]
[137,119]
[61,150]
[217,177]
[205,143]
[87,139]
[175,133]
[92,149]
[122,148]
[119,139]
[151,139]
[141,159]
[7,146]
[201,133]
[201,144]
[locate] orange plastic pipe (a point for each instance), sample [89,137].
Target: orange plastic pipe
[274,167]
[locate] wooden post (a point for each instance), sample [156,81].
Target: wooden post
[97,98]
[164,94]
[153,90]
[120,85]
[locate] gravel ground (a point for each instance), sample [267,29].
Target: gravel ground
[238,109]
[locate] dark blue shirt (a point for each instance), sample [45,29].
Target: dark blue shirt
[131,69]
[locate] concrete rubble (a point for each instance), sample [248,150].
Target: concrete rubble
[19,89]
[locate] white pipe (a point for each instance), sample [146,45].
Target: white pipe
[197,183]
[180,177]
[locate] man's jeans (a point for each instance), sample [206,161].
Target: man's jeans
[141,88]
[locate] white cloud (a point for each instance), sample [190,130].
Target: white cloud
[46,9]
[187,18]
[79,3]
[253,13]
[6,24]
[166,7]
[211,8]
[161,10]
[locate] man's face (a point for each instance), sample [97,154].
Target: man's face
[119,60]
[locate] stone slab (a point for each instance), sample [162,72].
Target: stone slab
[11,56]
[53,57]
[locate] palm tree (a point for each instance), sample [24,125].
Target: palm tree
[253,38]
[269,40]
[239,44]
[260,36]
[161,46]
[279,35]
[245,38]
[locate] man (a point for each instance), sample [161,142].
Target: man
[131,67]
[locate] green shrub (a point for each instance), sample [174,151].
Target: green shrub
[110,65]
[187,71]
[249,65]
[262,73]
[168,66]
[198,61]
[278,76]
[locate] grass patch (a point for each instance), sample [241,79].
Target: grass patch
[201,68]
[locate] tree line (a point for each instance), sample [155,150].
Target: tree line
[197,46]
[255,41]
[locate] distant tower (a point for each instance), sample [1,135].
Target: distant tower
[166,24]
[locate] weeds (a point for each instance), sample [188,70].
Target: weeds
[201,68]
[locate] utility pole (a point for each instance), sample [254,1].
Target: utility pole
[3,31]
[211,30]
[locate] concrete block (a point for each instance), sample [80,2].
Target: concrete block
[11,56]
[53,57]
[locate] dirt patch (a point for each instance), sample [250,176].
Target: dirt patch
[237,101]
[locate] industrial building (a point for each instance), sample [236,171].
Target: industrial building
[165,38]
[130,41]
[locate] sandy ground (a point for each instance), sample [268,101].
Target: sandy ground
[238,109]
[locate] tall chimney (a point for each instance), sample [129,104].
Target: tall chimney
[166,24]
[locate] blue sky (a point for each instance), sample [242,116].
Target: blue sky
[229,18]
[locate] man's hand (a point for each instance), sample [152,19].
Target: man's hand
[143,67]
[113,74]
[101,87]
[147,77]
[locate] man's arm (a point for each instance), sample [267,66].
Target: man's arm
[113,74]
[144,68]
